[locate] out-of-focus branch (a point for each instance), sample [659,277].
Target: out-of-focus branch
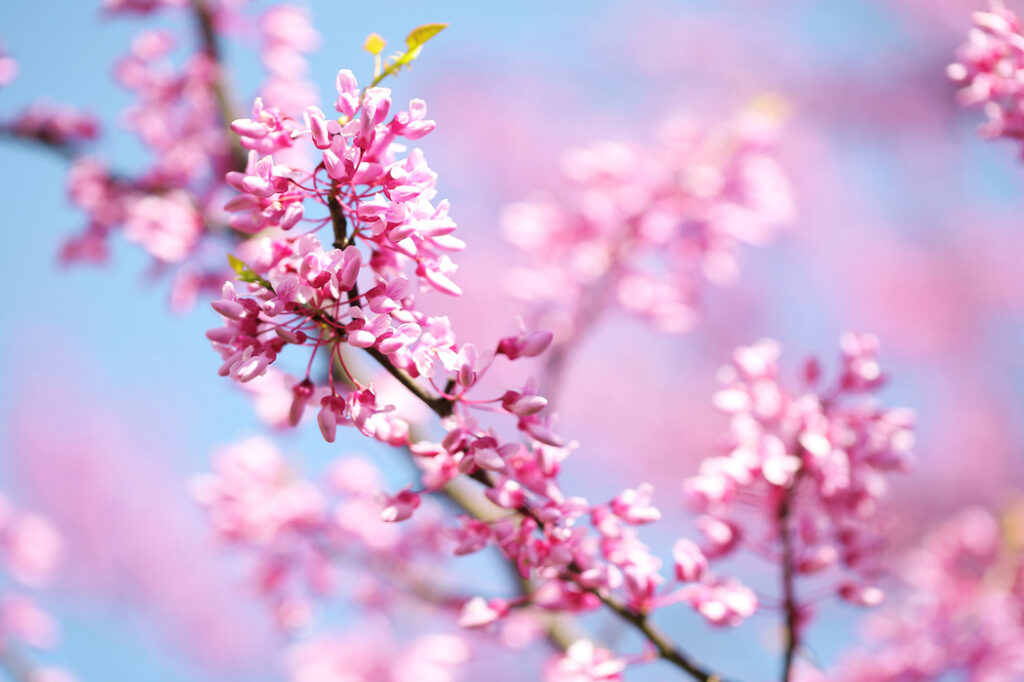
[789,604]
[62,149]
[221,90]
[588,312]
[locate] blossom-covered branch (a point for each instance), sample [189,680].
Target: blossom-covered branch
[812,463]
[298,294]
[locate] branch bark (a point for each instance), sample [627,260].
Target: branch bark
[789,605]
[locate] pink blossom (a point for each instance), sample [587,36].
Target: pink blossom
[690,561]
[861,595]
[472,537]
[810,462]
[252,496]
[651,226]
[59,125]
[527,344]
[400,506]
[957,614]
[374,655]
[30,549]
[988,70]
[585,662]
[21,619]
[723,602]
[634,506]
[478,612]
[167,226]
[8,68]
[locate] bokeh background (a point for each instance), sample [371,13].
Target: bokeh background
[909,227]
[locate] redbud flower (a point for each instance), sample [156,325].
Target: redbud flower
[690,561]
[989,69]
[478,612]
[585,662]
[634,506]
[400,506]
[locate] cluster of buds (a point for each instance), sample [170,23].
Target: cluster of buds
[990,71]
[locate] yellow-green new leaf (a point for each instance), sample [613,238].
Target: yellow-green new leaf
[417,37]
[422,34]
[247,274]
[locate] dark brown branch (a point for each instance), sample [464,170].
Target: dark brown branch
[441,406]
[338,221]
[667,650]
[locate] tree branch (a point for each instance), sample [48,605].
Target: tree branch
[212,49]
[444,407]
[790,608]
[666,649]
[61,149]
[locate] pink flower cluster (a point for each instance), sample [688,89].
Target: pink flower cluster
[175,114]
[585,662]
[30,550]
[990,71]
[647,227]
[813,462]
[375,656]
[962,613]
[392,241]
[57,125]
[166,224]
[309,296]
[311,539]
[176,118]
[288,35]
[173,207]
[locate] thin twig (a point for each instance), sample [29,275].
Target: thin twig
[790,608]
[65,151]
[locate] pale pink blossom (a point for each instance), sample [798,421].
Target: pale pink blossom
[585,662]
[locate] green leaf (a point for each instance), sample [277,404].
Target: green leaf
[421,34]
[237,265]
[247,274]
[414,41]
